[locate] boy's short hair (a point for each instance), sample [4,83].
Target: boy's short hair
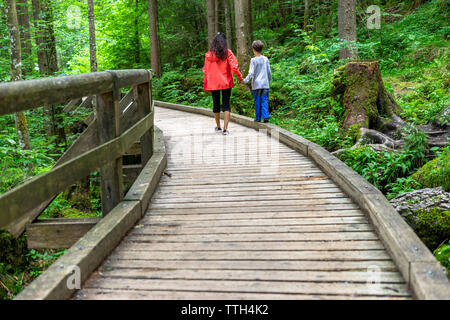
[258,45]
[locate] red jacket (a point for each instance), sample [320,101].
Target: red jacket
[219,73]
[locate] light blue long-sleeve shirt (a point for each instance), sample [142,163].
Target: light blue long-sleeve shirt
[260,73]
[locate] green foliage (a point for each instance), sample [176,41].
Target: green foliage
[442,254]
[383,169]
[433,227]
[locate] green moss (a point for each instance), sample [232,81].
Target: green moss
[75,213]
[433,227]
[12,250]
[354,132]
[435,173]
[442,254]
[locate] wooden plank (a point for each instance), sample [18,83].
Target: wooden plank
[270,265]
[258,246]
[57,233]
[272,203]
[29,94]
[150,221]
[218,198]
[168,194]
[318,236]
[344,255]
[258,275]
[295,216]
[178,229]
[255,209]
[429,281]
[249,183]
[114,294]
[251,286]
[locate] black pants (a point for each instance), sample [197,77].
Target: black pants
[226,93]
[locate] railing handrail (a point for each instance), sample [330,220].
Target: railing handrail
[29,94]
[116,133]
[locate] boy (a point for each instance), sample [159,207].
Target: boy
[261,75]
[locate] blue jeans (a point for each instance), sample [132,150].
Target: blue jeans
[261,98]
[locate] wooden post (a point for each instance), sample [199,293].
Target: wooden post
[143,98]
[108,117]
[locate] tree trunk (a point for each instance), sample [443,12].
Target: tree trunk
[249,18]
[92,43]
[228,32]
[16,70]
[365,100]
[48,63]
[24,23]
[137,42]
[210,10]
[347,28]
[216,16]
[39,37]
[306,15]
[154,39]
[242,37]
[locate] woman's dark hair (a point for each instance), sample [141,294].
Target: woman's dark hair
[219,46]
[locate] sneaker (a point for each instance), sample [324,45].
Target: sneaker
[256,120]
[226,132]
[266,120]
[218,130]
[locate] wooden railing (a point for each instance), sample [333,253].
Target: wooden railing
[117,124]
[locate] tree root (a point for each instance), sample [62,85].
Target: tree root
[380,141]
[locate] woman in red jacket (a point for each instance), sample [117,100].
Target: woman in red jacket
[220,64]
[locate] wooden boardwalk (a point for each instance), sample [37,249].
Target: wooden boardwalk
[232,221]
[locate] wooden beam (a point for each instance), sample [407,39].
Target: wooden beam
[108,127]
[143,100]
[13,210]
[58,233]
[25,95]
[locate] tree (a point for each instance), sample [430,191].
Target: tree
[306,15]
[210,11]
[228,25]
[48,63]
[243,37]
[347,28]
[216,16]
[16,70]
[25,38]
[155,51]
[92,42]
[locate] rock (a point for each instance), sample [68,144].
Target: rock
[427,211]
[407,204]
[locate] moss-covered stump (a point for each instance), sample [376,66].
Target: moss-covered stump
[435,173]
[360,88]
